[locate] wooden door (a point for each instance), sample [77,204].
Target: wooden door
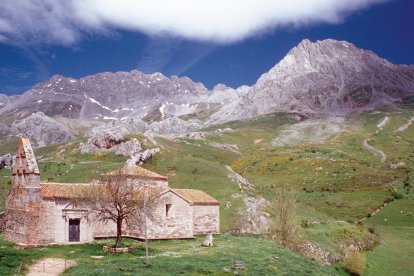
[74,230]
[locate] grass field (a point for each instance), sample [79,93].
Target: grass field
[337,183]
[188,257]
[395,225]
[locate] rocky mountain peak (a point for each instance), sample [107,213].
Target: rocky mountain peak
[328,56]
[328,77]
[323,77]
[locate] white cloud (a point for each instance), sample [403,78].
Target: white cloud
[223,21]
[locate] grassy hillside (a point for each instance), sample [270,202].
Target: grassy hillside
[395,225]
[188,257]
[337,180]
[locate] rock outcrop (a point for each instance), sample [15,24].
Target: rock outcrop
[41,129]
[6,161]
[174,125]
[196,135]
[110,141]
[4,129]
[142,157]
[126,126]
[129,147]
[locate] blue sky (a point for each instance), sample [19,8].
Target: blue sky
[233,52]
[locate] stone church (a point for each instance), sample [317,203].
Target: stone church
[44,212]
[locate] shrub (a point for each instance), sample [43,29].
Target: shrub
[285,227]
[238,225]
[354,261]
[397,195]
[305,223]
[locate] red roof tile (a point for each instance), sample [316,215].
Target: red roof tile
[196,197]
[61,190]
[138,171]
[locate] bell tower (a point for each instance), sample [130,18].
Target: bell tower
[25,172]
[24,202]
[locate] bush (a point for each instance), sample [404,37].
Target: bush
[397,195]
[354,261]
[305,223]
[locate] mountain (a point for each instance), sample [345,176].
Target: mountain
[41,129]
[325,77]
[112,96]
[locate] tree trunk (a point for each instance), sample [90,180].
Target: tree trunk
[118,232]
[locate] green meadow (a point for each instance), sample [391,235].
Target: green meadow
[338,183]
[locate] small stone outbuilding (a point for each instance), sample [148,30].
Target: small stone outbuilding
[45,214]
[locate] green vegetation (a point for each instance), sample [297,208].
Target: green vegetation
[7,145]
[336,181]
[354,261]
[199,166]
[260,257]
[395,225]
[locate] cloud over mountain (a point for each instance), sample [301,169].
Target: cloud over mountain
[222,21]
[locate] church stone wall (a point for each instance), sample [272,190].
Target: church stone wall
[178,223]
[206,219]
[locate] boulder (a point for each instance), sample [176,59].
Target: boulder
[196,135]
[106,140]
[142,157]
[6,161]
[129,148]
[399,165]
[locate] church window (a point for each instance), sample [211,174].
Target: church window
[167,209]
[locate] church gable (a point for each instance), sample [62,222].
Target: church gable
[25,159]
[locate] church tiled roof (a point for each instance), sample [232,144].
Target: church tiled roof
[196,197]
[137,171]
[62,190]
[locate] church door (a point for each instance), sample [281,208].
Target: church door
[74,230]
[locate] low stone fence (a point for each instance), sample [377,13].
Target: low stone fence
[109,249]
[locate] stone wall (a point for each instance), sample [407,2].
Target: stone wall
[44,222]
[178,223]
[206,219]
[33,217]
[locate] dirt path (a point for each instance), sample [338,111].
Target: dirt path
[404,127]
[383,122]
[50,267]
[381,155]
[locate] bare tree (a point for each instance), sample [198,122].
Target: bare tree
[120,199]
[285,227]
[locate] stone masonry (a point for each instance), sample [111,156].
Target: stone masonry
[45,213]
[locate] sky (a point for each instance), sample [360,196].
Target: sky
[210,41]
